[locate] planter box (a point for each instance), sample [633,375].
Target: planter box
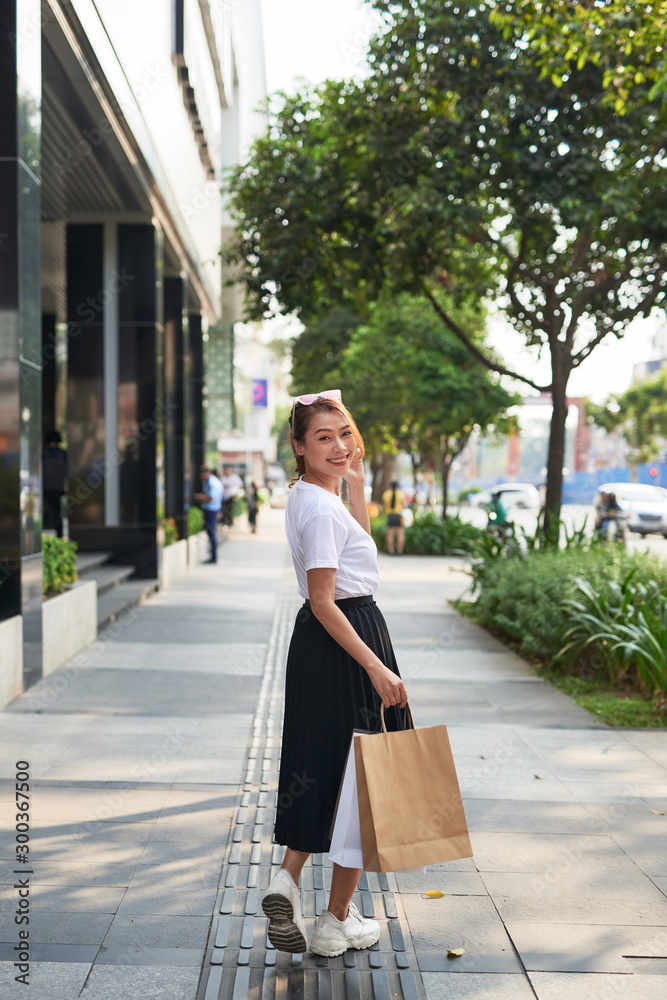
[174,562]
[69,624]
[11,659]
[198,548]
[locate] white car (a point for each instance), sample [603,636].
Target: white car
[645,505]
[523,495]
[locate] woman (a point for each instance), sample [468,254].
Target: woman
[340,666]
[393,503]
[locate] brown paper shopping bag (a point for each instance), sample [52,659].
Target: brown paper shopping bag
[410,808]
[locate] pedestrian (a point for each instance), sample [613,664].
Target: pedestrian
[211,501]
[393,502]
[54,478]
[252,499]
[232,485]
[340,667]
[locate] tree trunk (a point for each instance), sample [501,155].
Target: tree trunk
[416,464]
[388,471]
[634,473]
[560,367]
[447,460]
[376,467]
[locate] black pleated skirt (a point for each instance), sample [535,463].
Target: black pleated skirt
[327,695]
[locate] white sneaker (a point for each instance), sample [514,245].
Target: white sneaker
[282,904]
[333,936]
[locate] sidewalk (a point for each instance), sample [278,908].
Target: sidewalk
[153,766]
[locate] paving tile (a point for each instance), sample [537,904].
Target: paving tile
[60,898]
[568,985]
[648,852]
[502,816]
[455,921]
[109,982]
[64,804]
[159,852]
[219,657]
[625,885]
[452,883]
[477,986]
[134,955]
[543,852]
[48,981]
[559,910]
[546,947]
[163,899]
[151,930]
[72,873]
[661,884]
[50,926]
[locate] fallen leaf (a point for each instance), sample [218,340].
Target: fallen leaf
[482,757]
[539,777]
[656,813]
[455,952]
[434,894]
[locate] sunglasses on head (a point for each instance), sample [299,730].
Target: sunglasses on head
[310,397]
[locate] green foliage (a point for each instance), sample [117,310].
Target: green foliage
[524,598]
[195,520]
[59,563]
[429,535]
[458,168]
[624,629]
[465,493]
[564,37]
[613,707]
[640,413]
[170,531]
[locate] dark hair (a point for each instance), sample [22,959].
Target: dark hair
[299,422]
[53,437]
[394,487]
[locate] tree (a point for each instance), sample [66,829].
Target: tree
[415,384]
[563,36]
[458,166]
[640,413]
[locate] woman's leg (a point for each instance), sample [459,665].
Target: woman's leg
[391,532]
[294,862]
[343,883]
[401,540]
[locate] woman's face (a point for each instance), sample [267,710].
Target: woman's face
[329,445]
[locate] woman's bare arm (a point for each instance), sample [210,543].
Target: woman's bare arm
[321,592]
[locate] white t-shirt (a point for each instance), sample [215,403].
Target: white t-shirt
[322,533]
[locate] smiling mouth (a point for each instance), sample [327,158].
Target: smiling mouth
[338,461]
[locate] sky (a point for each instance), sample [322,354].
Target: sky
[317,39]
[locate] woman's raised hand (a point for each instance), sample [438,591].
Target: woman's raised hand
[388,685]
[355,474]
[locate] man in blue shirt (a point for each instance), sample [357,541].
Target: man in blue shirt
[211,503]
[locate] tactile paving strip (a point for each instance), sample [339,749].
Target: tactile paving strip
[240,961]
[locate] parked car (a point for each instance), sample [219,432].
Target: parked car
[646,506]
[523,495]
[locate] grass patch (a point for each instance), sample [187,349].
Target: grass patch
[609,705]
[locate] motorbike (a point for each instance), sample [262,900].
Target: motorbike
[502,532]
[612,527]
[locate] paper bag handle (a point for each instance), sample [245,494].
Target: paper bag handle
[407,717]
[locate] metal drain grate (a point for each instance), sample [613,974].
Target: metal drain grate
[240,961]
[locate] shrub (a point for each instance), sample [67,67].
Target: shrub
[429,535]
[524,596]
[195,520]
[59,563]
[468,491]
[624,631]
[170,531]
